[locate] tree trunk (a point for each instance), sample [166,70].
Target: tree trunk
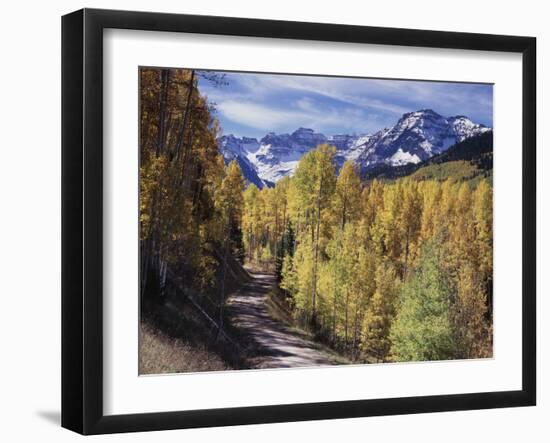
[406,254]
[276,233]
[145,265]
[355,332]
[222,288]
[334,318]
[163,96]
[186,114]
[316,251]
[185,181]
[314,296]
[284,229]
[346,327]
[163,272]
[344,209]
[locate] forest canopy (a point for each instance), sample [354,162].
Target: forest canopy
[385,271]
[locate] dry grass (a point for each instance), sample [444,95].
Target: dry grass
[161,354]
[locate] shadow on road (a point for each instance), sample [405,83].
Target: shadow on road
[271,344]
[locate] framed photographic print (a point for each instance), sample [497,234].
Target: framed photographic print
[271,221]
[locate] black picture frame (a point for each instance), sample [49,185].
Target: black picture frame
[82,218]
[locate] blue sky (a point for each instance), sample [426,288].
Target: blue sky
[255,104]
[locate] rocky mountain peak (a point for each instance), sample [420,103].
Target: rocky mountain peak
[416,136]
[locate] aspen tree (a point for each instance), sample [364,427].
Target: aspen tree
[422,329]
[380,314]
[315,179]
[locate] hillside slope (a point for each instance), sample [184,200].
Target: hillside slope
[180,332]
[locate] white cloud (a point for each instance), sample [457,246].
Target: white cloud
[390,96]
[341,89]
[305,112]
[256,115]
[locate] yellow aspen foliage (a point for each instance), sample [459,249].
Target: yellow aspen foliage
[230,201]
[483,215]
[410,219]
[347,197]
[431,193]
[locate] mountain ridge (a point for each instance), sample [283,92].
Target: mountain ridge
[416,137]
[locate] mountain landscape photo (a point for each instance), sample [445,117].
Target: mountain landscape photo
[293,221]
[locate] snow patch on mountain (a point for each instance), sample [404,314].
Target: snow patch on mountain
[464,128]
[403,158]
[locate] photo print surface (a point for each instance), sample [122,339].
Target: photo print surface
[292,221]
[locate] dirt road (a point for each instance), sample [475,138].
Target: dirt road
[271,343]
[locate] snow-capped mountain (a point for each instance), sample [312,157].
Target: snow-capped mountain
[277,155]
[415,137]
